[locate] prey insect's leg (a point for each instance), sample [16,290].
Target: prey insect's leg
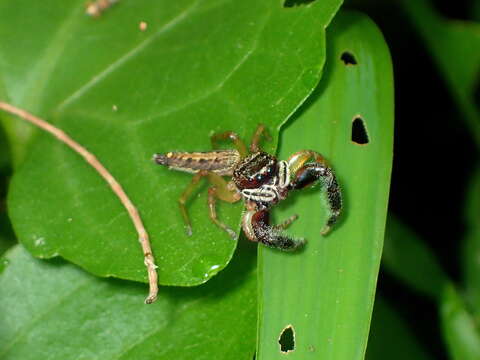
[219,190]
[230,135]
[261,130]
[306,174]
[255,224]
[183,199]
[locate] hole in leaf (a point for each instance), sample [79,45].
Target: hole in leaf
[359,132]
[348,58]
[292,3]
[287,339]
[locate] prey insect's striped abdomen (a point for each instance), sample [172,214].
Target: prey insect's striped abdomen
[221,162]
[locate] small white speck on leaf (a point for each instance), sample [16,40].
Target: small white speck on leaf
[39,241]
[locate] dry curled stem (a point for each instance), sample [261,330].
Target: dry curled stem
[117,189]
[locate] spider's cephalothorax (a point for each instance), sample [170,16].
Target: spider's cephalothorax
[260,179]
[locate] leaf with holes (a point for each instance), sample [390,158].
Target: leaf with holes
[198,67]
[326,292]
[53,310]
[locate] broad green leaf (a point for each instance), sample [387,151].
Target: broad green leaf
[390,336]
[460,330]
[472,245]
[199,67]
[53,310]
[454,46]
[326,292]
[407,257]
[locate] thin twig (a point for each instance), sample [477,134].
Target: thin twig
[117,189]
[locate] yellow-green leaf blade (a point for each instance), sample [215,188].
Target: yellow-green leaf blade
[55,311]
[326,292]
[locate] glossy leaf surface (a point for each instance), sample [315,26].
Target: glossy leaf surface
[199,67]
[326,292]
[54,310]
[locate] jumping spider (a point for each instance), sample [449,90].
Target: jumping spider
[260,179]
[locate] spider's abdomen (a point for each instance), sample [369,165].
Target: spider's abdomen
[255,170]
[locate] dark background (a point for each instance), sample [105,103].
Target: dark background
[431,142]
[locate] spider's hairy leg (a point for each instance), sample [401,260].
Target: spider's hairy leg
[255,224]
[307,173]
[261,130]
[219,190]
[230,135]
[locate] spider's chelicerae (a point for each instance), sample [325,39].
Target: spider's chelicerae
[260,179]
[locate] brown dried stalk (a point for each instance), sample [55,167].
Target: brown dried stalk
[117,189]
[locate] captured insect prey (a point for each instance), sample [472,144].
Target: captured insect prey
[260,180]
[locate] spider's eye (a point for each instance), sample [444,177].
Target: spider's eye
[259,177]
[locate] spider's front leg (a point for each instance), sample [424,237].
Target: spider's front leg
[255,224]
[306,173]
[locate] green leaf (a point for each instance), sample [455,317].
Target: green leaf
[326,292]
[460,330]
[200,67]
[454,46]
[54,310]
[407,257]
[472,245]
[390,336]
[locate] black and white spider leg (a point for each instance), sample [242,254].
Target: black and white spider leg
[255,224]
[310,173]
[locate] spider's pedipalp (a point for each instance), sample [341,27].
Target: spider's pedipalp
[255,224]
[306,174]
